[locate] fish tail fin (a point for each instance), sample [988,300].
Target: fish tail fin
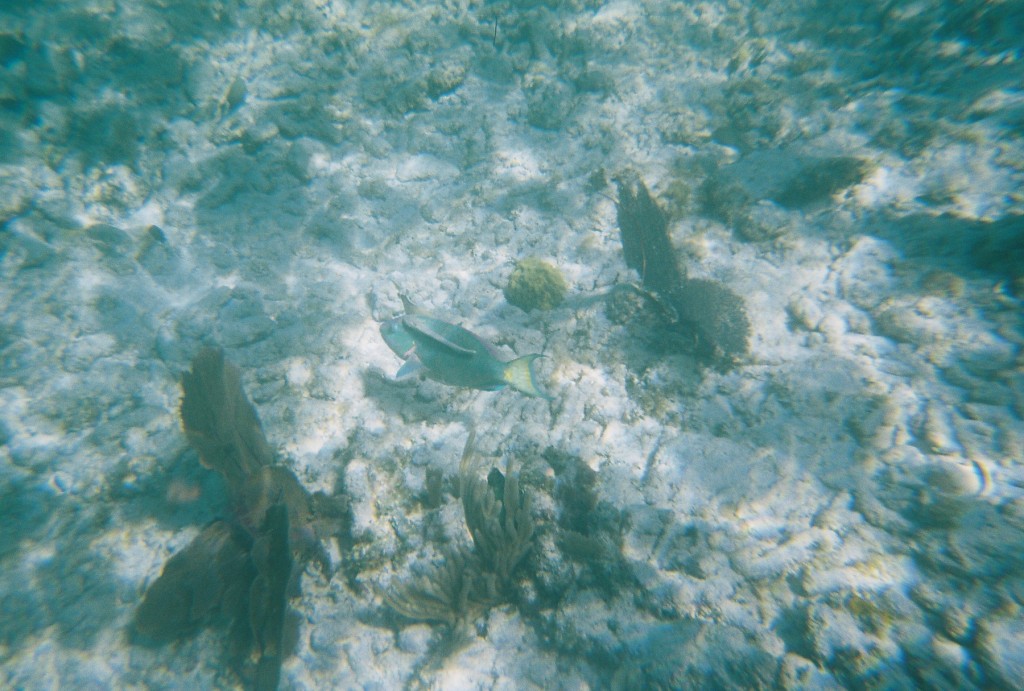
[520,376]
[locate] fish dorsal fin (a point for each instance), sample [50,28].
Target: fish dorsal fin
[410,307]
[423,327]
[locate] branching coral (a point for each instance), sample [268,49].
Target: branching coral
[498,515]
[442,593]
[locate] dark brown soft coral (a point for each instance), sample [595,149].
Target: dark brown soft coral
[241,569]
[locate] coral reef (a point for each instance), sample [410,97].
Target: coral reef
[242,569]
[208,576]
[710,319]
[498,515]
[442,593]
[643,228]
[717,317]
[535,284]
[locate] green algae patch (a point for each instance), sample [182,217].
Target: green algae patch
[535,284]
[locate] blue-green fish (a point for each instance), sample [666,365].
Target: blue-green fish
[452,355]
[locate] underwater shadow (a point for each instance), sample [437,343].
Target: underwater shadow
[28,509]
[411,400]
[180,495]
[55,576]
[995,247]
[83,592]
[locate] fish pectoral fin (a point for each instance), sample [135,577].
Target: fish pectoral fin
[409,369]
[420,326]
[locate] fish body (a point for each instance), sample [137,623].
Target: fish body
[452,355]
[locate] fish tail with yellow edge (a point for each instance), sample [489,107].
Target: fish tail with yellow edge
[520,376]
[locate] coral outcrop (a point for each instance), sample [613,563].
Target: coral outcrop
[709,319]
[535,284]
[498,515]
[241,569]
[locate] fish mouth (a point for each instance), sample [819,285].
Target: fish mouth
[397,337]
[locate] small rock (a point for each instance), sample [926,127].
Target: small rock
[804,313]
[955,478]
[765,221]
[111,241]
[942,664]
[800,673]
[236,93]
[957,623]
[26,250]
[445,79]
[1000,645]
[938,431]
[415,639]
[943,284]
[549,102]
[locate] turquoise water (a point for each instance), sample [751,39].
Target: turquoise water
[784,441]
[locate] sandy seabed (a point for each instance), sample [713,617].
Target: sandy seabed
[842,508]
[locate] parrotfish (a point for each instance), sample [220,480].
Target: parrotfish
[452,355]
